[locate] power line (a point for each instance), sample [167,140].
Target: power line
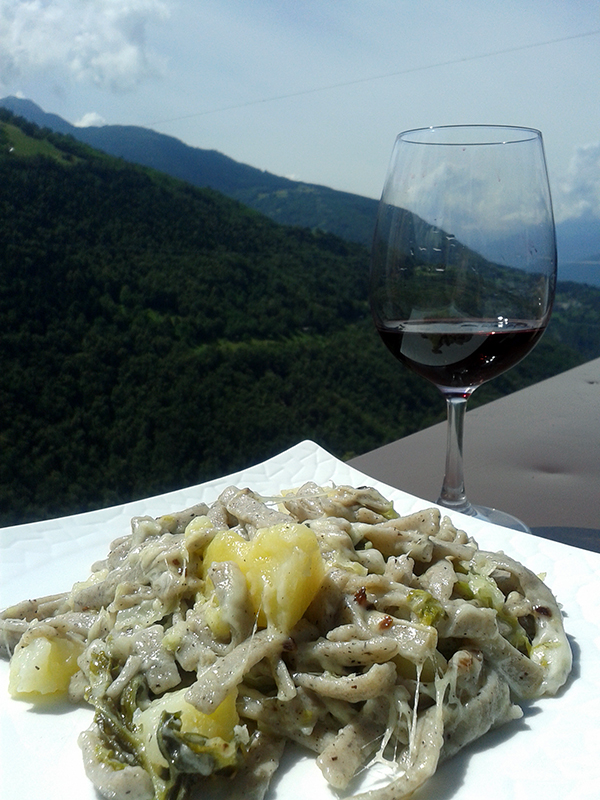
[406,71]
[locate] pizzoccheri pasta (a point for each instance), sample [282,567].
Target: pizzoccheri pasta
[209,638]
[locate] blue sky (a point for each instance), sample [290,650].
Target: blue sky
[316,90]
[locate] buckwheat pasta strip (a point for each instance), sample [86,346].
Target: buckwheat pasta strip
[208,638]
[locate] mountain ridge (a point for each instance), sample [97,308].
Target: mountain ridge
[286,201]
[289,202]
[154,334]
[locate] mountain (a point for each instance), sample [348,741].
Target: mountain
[154,335]
[32,112]
[289,202]
[347,215]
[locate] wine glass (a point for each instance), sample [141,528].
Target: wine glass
[463,267]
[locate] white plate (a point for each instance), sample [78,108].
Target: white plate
[551,753]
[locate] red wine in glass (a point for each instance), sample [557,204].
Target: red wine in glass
[460,355]
[463,267]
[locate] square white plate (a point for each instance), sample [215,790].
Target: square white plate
[552,753]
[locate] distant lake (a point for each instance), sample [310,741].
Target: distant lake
[580,271]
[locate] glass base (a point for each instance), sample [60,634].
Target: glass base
[497,517]
[492,515]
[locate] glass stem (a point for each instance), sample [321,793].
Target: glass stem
[453,490]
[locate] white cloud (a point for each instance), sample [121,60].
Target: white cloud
[89,119]
[100,42]
[579,193]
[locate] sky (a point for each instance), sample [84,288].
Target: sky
[317,90]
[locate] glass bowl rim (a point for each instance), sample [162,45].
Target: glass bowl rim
[497,135]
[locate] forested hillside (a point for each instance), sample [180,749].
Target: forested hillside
[154,335]
[289,202]
[285,201]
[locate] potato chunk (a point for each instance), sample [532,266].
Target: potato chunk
[43,667]
[282,565]
[220,723]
